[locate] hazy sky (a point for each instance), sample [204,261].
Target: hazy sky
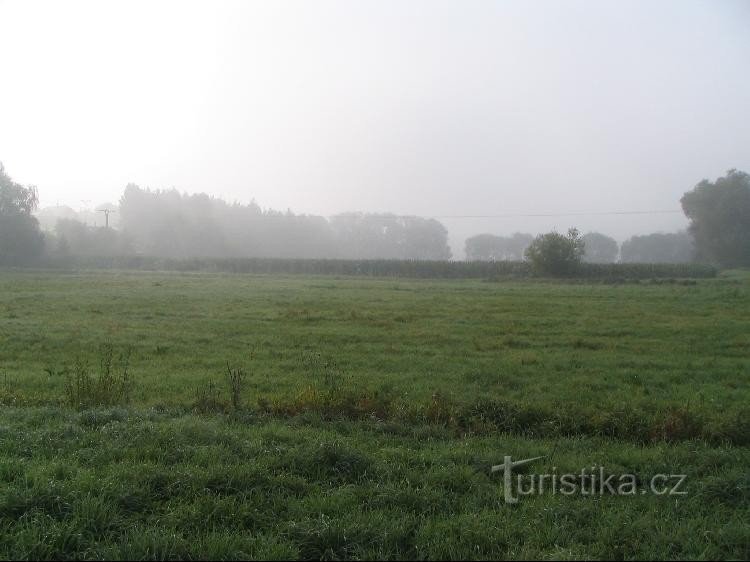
[415,107]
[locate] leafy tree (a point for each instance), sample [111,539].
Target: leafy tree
[673,247]
[556,254]
[21,240]
[719,216]
[600,248]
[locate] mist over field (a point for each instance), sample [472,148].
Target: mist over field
[429,109]
[374,280]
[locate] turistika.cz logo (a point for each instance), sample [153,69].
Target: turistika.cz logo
[590,481]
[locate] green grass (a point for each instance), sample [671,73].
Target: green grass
[370,413]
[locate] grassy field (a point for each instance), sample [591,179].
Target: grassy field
[369,416]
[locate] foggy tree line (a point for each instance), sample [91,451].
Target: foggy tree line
[169,224]
[674,247]
[174,225]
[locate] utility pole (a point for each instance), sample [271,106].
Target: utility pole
[106,216]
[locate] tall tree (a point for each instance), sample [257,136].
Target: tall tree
[719,216]
[21,239]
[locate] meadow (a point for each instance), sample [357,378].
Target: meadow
[367,415]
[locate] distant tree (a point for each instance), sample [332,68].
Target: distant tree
[76,238]
[482,247]
[719,216]
[170,224]
[48,216]
[488,247]
[600,248]
[515,246]
[360,236]
[21,239]
[423,239]
[62,248]
[675,247]
[387,236]
[556,254]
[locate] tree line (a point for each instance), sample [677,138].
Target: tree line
[173,225]
[675,247]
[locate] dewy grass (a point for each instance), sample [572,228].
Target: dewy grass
[155,485]
[367,416]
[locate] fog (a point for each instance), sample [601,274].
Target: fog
[566,111]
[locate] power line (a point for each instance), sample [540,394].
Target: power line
[570,214]
[509,215]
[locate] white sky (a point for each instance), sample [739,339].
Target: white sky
[415,107]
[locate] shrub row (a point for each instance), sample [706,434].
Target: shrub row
[384,268]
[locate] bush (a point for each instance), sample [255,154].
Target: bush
[556,254]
